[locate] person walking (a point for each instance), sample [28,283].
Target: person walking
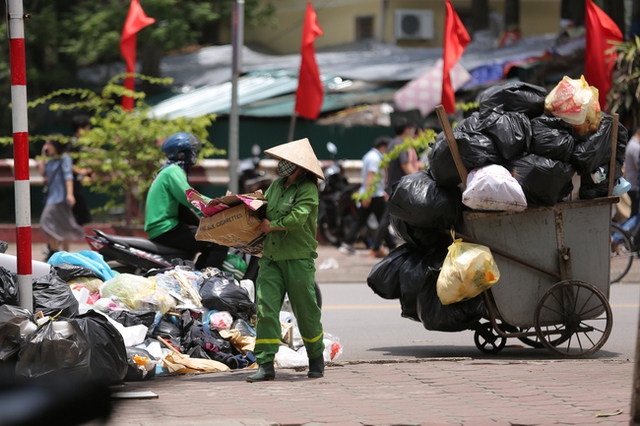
[405,164]
[170,219]
[57,221]
[287,265]
[631,171]
[376,203]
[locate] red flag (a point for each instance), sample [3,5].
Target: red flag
[136,20]
[456,38]
[599,58]
[310,93]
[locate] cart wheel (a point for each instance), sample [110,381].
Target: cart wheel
[549,330]
[487,340]
[581,315]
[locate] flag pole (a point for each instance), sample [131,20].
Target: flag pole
[234,119]
[292,125]
[22,186]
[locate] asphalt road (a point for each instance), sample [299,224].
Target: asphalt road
[370,327]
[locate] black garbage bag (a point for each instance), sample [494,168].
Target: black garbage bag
[9,293]
[516,96]
[553,138]
[594,150]
[142,316]
[59,347]
[476,150]
[544,181]
[470,124]
[509,131]
[108,361]
[166,329]
[137,372]
[14,323]
[60,400]
[417,270]
[455,317]
[53,296]
[69,271]
[205,337]
[442,168]
[419,201]
[384,278]
[590,190]
[221,292]
[422,238]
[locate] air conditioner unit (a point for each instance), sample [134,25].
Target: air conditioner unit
[414,24]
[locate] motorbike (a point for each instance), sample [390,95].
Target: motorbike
[250,177]
[338,210]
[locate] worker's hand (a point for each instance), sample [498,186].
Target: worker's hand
[265,226]
[365,203]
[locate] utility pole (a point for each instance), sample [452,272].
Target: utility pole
[237,41]
[15,26]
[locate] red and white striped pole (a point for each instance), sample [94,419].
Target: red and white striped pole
[15,16]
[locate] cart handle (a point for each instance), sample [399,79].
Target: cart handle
[453,144]
[510,256]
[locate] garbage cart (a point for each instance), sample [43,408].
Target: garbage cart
[554,265]
[554,276]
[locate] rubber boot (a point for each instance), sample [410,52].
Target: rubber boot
[316,367]
[265,373]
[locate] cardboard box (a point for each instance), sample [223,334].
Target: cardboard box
[234,227]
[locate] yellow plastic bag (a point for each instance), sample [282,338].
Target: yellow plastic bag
[468,270]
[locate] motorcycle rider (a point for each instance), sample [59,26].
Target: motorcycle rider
[170,218]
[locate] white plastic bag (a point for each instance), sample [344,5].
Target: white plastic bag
[468,270]
[493,188]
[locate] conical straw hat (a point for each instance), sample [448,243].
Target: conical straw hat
[299,153]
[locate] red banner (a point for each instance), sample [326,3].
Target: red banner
[599,58]
[456,39]
[310,93]
[136,20]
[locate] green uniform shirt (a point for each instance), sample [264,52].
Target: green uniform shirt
[295,209]
[166,193]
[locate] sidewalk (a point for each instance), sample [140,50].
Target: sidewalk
[424,392]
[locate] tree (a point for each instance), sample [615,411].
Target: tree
[122,148]
[63,36]
[624,96]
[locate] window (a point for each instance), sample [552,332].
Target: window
[364,27]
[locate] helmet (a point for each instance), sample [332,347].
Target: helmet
[182,147]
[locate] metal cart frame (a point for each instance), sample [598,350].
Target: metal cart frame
[547,301]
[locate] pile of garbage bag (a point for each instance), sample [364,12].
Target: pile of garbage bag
[522,148]
[93,323]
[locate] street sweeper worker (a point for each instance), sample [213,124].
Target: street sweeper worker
[287,265]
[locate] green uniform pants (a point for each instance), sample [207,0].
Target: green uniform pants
[275,279]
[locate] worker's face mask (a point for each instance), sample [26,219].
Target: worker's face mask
[285,168]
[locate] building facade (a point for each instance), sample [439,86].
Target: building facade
[406,23]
